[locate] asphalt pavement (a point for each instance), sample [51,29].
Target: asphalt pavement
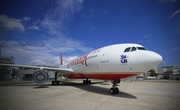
[74,95]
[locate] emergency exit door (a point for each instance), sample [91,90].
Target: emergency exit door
[105,54]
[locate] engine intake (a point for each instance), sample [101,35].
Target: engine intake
[40,77]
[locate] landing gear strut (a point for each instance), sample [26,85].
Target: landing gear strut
[55,82]
[114,89]
[86,81]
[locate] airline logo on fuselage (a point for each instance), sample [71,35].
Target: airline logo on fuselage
[124,59]
[82,60]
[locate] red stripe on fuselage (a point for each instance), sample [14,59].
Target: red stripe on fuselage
[101,76]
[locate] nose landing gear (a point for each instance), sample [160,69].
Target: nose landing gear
[114,89]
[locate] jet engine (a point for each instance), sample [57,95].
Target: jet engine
[40,77]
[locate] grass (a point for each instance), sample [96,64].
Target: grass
[7,84]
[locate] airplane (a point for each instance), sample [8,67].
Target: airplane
[113,62]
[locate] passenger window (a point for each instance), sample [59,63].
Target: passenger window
[127,49]
[133,49]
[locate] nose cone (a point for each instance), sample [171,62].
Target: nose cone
[152,59]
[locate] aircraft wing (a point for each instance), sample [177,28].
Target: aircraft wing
[63,71]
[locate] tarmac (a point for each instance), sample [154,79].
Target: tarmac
[74,95]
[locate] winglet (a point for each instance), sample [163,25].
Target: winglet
[61,58]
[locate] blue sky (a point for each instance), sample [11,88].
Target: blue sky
[35,31]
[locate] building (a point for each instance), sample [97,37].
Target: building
[161,71]
[169,72]
[7,73]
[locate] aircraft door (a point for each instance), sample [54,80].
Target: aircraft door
[104,55]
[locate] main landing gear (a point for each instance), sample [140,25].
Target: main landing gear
[86,81]
[114,89]
[55,81]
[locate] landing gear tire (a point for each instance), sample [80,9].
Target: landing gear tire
[53,82]
[86,81]
[58,82]
[89,81]
[111,91]
[114,89]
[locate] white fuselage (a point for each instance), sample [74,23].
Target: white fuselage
[114,62]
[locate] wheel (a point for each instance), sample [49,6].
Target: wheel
[89,81]
[58,82]
[85,81]
[111,91]
[116,90]
[53,82]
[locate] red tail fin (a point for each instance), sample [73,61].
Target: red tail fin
[61,58]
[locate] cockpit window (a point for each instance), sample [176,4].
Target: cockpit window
[133,49]
[141,48]
[127,49]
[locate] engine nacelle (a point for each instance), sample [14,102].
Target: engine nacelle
[40,77]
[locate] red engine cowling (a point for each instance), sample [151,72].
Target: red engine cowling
[40,77]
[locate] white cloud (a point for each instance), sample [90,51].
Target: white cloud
[146,36]
[60,16]
[11,23]
[81,1]
[42,54]
[26,18]
[65,44]
[10,43]
[68,59]
[177,48]
[92,13]
[175,13]
[33,27]
[41,51]
[48,61]
[30,55]
[35,23]
[104,11]
[35,48]
[91,10]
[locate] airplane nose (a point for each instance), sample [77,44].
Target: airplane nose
[152,59]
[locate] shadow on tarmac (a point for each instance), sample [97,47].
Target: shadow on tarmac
[95,89]
[86,87]
[41,86]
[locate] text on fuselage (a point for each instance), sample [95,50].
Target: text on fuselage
[82,60]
